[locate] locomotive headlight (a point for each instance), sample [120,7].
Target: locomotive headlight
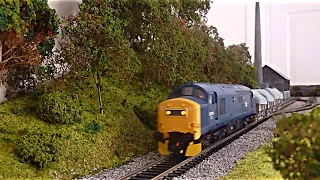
[168,112]
[183,113]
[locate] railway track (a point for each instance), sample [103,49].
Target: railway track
[172,166]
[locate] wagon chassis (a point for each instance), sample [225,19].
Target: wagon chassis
[173,166]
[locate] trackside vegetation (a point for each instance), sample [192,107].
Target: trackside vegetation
[92,104]
[292,154]
[255,165]
[296,146]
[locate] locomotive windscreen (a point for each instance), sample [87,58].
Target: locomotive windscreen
[188,91]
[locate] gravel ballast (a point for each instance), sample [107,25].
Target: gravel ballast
[126,169]
[216,166]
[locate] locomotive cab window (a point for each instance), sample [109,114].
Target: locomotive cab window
[188,91]
[199,94]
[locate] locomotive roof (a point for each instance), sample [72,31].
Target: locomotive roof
[258,98]
[280,93]
[219,87]
[274,94]
[266,94]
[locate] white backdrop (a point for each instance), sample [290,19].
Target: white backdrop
[290,38]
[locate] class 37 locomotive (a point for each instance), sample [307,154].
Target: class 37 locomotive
[197,114]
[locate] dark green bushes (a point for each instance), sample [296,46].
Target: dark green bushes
[146,107]
[296,150]
[59,107]
[39,147]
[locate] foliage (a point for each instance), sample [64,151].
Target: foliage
[40,146]
[168,42]
[243,71]
[26,28]
[146,108]
[296,88]
[297,146]
[96,42]
[20,80]
[97,142]
[93,127]
[53,67]
[255,165]
[59,107]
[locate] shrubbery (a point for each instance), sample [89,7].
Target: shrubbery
[296,150]
[146,109]
[59,107]
[39,146]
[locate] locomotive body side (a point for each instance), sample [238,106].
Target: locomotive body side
[231,102]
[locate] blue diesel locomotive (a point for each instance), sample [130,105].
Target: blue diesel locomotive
[198,113]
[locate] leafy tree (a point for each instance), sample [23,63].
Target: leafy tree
[142,17]
[242,69]
[26,30]
[95,39]
[166,42]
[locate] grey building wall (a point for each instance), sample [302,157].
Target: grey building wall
[273,79]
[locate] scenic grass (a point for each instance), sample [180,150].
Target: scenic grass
[255,165]
[98,141]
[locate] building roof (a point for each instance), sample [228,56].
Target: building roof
[276,71]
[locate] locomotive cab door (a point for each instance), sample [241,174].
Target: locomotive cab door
[212,107]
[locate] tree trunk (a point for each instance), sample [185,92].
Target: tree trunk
[0,63]
[98,84]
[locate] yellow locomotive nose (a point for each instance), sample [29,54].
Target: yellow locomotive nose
[180,116]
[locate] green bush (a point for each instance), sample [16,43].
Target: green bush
[296,152]
[39,146]
[146,108]
[59,107]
